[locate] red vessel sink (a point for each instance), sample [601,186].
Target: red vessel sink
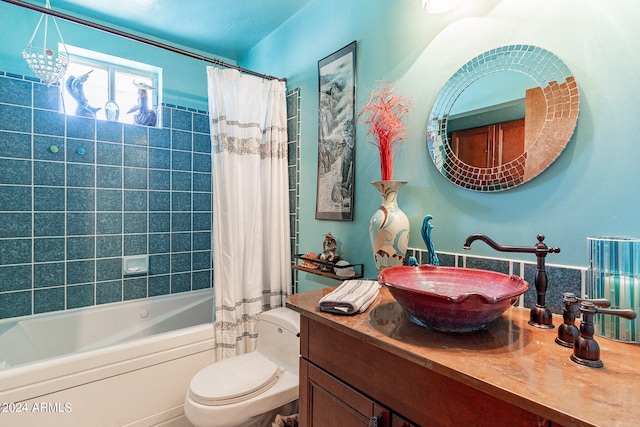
[452,299]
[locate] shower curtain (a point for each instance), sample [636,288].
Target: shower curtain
[251,246]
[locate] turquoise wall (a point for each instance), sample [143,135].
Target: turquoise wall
[592,189]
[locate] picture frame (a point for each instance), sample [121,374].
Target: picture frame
[336,135]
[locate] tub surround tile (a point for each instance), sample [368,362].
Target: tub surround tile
[48,275]
[108,154]
[181,140]
[81,247]
[15,145]
[135,200]
[48,123]
[159,264]
[109,223]
[108,246]
[135,288]
[80,296]
[201,260]
[48,199]
[135,156]
[15,225]
[159,180]
[202,182]
[15,304]
[108,269]
[109,131]
[160,137]
[15,118]
[181,221]
[137,135]
[181,160]
[81,127]
[47,300]
[77,194]
[81,272]
[81,151]
[46,97]
[108,177]
[15,251]
[48,224]
[14,91]
[180,282]
[135,244]
[201,279]
[159,243]
[48,249]
[81,199]
[80,175]
[180,262]
[43,146]
[15,278]
[19,172]
[180,242]
[201,241]
[202,143]
[108,292]
[159,285]
[181,181]
[181,119]
[109,200]
[15,198]
[201,124]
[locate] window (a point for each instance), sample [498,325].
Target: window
[111,88]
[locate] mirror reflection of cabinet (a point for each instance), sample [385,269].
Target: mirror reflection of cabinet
[489,146]
[487,161]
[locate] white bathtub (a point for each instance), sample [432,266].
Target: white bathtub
[118,364]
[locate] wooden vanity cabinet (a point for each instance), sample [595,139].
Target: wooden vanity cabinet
[348,381]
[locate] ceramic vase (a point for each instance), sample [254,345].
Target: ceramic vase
[389,227]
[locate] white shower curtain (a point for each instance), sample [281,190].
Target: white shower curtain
[251,247]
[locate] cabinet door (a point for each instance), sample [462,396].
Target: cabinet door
[327,402]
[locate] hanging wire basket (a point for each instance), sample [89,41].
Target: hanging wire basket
[47,64]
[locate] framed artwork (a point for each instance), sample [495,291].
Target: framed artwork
[336,135]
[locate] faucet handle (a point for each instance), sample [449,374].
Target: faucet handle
[568,332]
[586,350]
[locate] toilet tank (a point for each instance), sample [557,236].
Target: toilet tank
[279,337]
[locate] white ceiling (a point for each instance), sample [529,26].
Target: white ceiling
[227,28]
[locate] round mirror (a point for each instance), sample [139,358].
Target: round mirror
[503,118]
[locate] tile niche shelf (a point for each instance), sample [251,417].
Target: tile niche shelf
[357,268]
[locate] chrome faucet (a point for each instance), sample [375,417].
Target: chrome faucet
[540,314]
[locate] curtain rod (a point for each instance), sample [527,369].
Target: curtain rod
[137,38]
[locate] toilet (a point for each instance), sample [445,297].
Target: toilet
[251,389]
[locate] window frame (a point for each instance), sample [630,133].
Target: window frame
[114,65]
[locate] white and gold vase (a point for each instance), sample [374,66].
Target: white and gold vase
[389,227]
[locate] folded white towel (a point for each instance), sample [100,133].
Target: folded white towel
[352,296]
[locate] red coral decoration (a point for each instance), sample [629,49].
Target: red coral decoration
[384,113]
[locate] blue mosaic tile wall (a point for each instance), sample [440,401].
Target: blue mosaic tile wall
[68,216]
[560,279]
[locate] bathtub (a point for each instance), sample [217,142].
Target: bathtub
[114,365]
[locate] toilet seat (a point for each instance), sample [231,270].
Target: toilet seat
[234,380]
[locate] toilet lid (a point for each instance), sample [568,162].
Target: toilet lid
[234,380]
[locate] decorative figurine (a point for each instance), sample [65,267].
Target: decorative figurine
[329,254]
[145,115]
[75,87]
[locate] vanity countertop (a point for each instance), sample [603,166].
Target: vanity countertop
[509,360]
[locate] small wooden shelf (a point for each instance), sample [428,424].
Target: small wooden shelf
[357,268]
